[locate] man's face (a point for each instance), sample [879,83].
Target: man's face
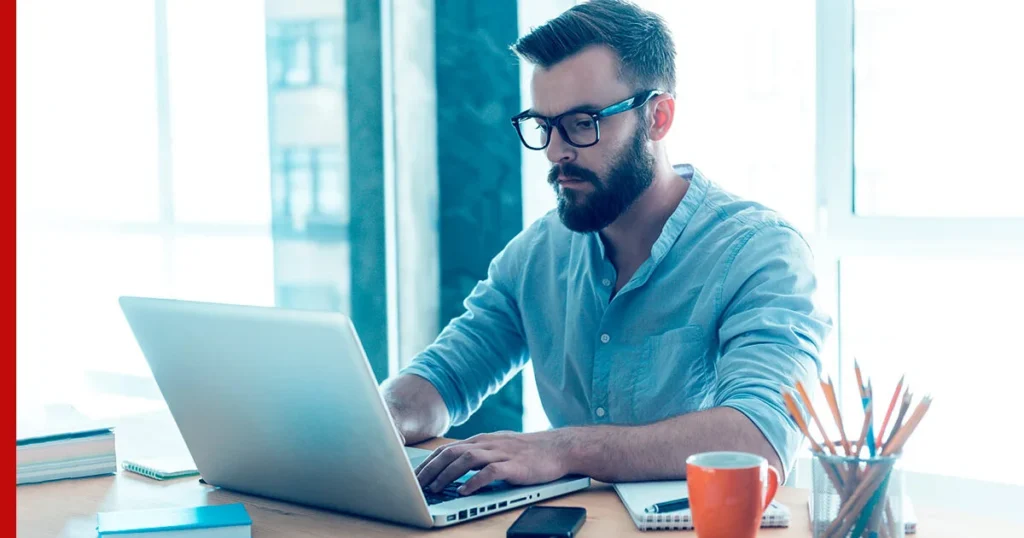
[596,184]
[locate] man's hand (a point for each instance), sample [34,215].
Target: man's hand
[517,458]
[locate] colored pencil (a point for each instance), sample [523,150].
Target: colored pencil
[814,416]
[860,380]
[888,412]
[900,438]
[794,410]
[830,397]
[904,407]
[863,434]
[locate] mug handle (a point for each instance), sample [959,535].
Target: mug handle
[771,487]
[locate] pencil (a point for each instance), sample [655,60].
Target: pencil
[888,412]
[860,380]
[833,473]
[869,403]
[814,416]
[863,433]
[904,407]
[830,396]
[900,437]
[798,417]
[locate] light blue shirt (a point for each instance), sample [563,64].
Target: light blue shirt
[721,314]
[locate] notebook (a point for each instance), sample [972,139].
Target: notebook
[161,468]
[639,495]
[214,521]
[909,516]
[46,454]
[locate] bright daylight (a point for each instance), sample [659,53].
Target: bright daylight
[519,268]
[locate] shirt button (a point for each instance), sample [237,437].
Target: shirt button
[599,411]
[605,338]
[606,282]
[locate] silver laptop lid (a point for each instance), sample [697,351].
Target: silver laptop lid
[278,403]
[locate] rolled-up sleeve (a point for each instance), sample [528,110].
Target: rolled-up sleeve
[480,350]
[771,332]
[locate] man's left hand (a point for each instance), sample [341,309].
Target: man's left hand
[517,458]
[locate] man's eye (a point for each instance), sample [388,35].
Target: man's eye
[585,124]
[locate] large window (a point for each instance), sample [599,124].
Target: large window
[143,168]
[745,98]
[917,137]
[938,122]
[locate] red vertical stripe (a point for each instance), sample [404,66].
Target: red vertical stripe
[9,96]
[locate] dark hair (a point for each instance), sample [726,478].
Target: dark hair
[639,37]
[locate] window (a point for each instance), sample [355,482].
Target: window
[938,121]
[917,134]
[143,169]
[745,98]
[950,324]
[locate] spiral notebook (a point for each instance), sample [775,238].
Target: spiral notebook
[162,468]
[639,495]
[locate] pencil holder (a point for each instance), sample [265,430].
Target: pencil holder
[855,497]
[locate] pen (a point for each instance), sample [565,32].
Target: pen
[669,506]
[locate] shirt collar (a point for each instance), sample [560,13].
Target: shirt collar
[677,222]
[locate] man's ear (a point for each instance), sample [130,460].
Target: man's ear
[663,111]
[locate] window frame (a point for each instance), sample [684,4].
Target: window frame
[842,233]
[847,233]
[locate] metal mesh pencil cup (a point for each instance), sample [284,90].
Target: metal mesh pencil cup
[855,497]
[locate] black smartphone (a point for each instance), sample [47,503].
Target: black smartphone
[548,522]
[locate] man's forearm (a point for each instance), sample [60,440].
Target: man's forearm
[416,406]
[658,451]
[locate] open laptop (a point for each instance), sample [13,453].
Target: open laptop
[283,404]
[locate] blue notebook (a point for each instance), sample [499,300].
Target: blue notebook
[214,521]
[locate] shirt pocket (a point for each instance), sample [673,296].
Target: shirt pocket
[673,377]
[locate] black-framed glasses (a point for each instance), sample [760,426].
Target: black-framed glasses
[580,128]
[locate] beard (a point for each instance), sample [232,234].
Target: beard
[628,178]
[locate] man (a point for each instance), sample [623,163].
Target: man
[662,313]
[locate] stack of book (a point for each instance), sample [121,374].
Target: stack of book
[45,455]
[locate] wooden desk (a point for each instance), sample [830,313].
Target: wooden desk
[68,508]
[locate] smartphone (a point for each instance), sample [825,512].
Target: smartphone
[548,522]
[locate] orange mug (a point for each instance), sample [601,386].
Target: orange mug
[729,492]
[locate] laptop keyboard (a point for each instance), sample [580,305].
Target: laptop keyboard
[450,492]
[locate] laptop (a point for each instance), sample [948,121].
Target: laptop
[283,404]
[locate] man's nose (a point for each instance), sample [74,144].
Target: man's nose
[559,151]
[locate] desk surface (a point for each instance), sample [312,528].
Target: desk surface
[68,508]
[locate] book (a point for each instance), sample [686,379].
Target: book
[56,454]
[162,468]
[212,521]
[636,496]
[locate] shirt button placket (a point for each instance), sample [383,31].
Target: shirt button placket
[600,411]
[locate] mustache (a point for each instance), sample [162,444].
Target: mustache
[573,171]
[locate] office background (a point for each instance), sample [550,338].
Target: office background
[356,156]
